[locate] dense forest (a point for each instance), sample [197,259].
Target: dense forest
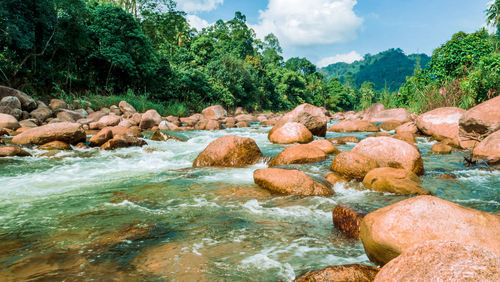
[144,51]
[387,70]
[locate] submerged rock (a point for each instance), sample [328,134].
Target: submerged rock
[354,126]
[352,165]
[289,182]
[390,152]
[334,178]
[299,154]
[442,261]
[13,151]
[391,230]
[393,180]
[347,220]
[55,145]
[289,133]
[341,273]
[229,151]
[390,125]
[71,133]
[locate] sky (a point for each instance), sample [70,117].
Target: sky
[330,31]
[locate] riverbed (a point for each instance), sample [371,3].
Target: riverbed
[146,214]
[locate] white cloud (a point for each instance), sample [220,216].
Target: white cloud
[311,22]
[197,22]
[192,6]
[346,58]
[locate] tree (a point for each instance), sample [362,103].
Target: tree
[493,15]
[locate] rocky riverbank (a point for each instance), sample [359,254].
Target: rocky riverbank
[388,162]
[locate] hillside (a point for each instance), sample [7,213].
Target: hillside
[389,68]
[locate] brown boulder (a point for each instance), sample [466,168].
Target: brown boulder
[57,104]
[11,102]
[344,139]
[71,133]
[335,178]
[192,120]
[229,151]
[105,121]
[108,133]
[393,180]
[441,148]
[92,117]
[488,149]
[150,119]
[312,117]
[408,137]
[325,146]
[441,123]
[214,112]
[390,125]
[123,141]
[245,118]
[166,125]
[213,125]
[9,122]
[354,126]
[27,103]
[352,165]
[242,124]
[126,107]
[347,220]
[341,273]
[13,151]
[30,123]
[42,113]
[289,182]
[442,261]
[479,122]
[399,114]
[55,145]
[389,231]
[290,132]
[409,127]
[390,152]
[299,154]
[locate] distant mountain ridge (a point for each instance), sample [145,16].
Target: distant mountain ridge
[385,69]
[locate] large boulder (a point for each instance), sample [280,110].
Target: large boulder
[229,151]
[126,107]
[150,119]
[354,126]
[213,125]
[42,113]
[289,182]
[105,121]
[299,154]
[108,133]
[9,122]
[214,112]
[290,132]
[341,273]
[13,151]
[325,146]
[57,104]
[373,110]
[347,220]
[479,122]
[391,230]
[488,149]
[390,152]
[122,141]
[92,117]
[353,165]
[11,102]
[400,114]
[312,117]
[441,123]
[394,180]
[442,261]
[409,127]
[27,103]
[71,133]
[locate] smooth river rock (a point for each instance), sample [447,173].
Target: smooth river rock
[391,230]
[393,180]
[352,165]
[354,126]
[299,154]
[441,123]
[341,273]
[229,151]
[70,133]
[289,133]
[479,122]
[312,117]
[289,182]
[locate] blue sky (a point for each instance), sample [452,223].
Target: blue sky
[327,31]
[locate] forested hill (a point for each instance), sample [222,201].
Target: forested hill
[386,69]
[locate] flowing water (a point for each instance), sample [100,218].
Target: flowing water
[146,214]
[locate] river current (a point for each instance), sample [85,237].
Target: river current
[146,214]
